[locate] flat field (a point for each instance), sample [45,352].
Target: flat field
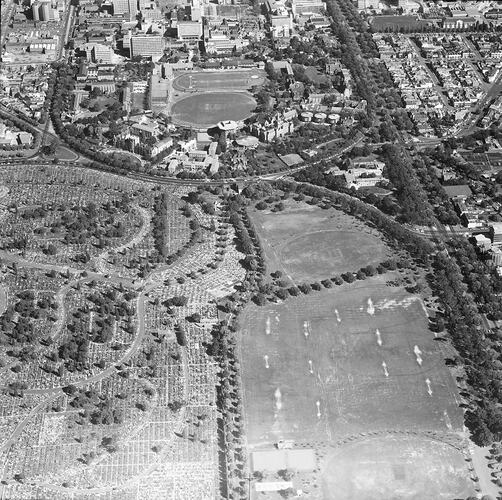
[219,80]
[352,360]
[208,108]
[309,243]
[394,468]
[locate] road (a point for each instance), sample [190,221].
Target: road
[469,124]
[192,182]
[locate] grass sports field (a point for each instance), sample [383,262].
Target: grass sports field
[354,359]
[310,243]
[207,109]
[395,468]
[219,80]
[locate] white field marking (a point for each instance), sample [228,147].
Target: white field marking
[310,367]
[371,308]
[379,337]
[267,326]
[429,390]
[418,353]
[337,316]
[278,399]
[266,361]
[384,366]
[318,404]
[393,303]
[306,328]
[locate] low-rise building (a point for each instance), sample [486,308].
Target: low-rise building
[274,127]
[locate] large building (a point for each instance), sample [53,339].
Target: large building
[368,4]
[127,7]
[219,43]
[158,92]
[300,7]
[147,46]
[274,128]
[496,233]
[189,30]
[98,52]
[43,10]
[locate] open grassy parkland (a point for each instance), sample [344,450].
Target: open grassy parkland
[201,99]
[352,371]
[100,399]
[309,243]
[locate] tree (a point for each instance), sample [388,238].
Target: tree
[178,301]
[222,142]
[285,474]
[259,299]
[195,317]
[348,277]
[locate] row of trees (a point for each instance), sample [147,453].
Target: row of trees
[443,208]
[159,226]
[478,351]
[282,289]
[486,287]
[223,348]
[351,55]
[415,208]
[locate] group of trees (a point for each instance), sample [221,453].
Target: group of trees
[161,235]
[159,226]
[17,323]
[351,55]
[94,408]
[438,199]
[485,286]
[479,353]
[110,309]
[415,208]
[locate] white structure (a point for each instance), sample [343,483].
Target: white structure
[364,173]
[368,4]
[147,46]
[189,30]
